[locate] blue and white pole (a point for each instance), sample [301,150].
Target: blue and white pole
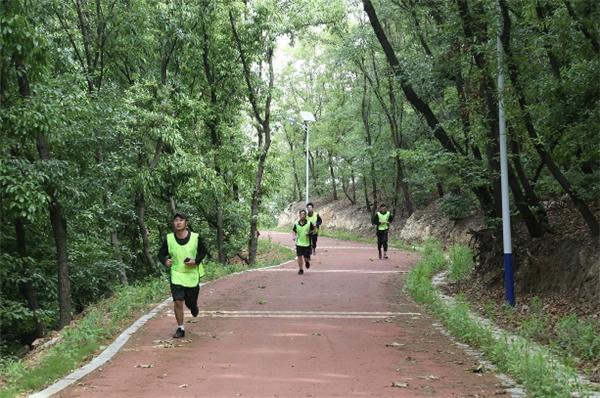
[506,235]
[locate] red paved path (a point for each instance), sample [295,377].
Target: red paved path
[289,335]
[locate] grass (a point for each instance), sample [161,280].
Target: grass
[461,263]
[103,321]
[537,367]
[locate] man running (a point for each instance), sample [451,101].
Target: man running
[182,252]
[314,218]
[301,235]
[382,219]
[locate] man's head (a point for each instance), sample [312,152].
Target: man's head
[382,208]
[302,214]
[309,207]
[180,221]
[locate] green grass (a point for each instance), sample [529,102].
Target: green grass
[543,373]
[461,263]
[103,321]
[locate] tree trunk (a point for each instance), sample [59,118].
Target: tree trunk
[365,117]
[140,207]
[26,287]
[221,235]
[297,187]
[440,189]
[475,30]
[332,174]
[582,28]
[366,191]
[421,106]
[353,187]
[528,190]
[59,228]
[546,157]
[554,63]
[114,241]
[263,130]
[57,219]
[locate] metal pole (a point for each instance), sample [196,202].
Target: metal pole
[506,235]
[306,131]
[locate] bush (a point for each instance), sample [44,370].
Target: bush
[456,206]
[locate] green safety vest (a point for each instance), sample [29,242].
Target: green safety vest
[302,234]
[313,219]
[181,274]
[383,221]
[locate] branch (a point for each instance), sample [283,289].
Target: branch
[251,93]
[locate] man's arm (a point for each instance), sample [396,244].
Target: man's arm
[319,220]
[391,218]
[201,252]
[163,253]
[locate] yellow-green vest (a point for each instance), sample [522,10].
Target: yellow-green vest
[383,221]
[302,234]
[181,274]
[313,219]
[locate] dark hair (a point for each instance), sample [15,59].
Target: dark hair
[309,204]
[302,211]
[382,205]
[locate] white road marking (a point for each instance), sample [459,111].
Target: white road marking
[350,271]
[305,314]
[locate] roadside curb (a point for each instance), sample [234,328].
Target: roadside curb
[110,351]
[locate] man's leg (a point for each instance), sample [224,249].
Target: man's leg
[385,243]
[379,243]
[178,293]
[313,241]
[178,308]
[307,261]
[299,257]
[191,299]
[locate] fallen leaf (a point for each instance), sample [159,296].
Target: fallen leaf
[261,302]
[394,344]
[399,384]
[144,365]
[183,386]
[430,377]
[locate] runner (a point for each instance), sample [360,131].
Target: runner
[314,218]
[182,252]
[382,219]
[301,235]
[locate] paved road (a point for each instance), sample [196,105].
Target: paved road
[345,328]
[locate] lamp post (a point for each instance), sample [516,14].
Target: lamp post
[307,117]
[506,234]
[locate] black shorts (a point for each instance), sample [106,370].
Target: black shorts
[188,294]
[303,251]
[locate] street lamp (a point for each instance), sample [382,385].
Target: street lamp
[307,117]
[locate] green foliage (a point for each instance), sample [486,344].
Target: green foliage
[455,206]
[461,263]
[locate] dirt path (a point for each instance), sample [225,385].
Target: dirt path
[344,328]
